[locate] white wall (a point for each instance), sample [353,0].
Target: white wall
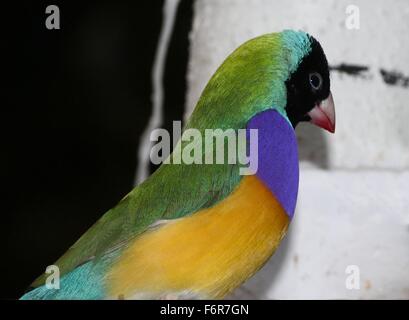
[353,206]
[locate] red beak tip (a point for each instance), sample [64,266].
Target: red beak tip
[332,130]
[323,114]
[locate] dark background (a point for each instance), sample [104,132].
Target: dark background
[74,104]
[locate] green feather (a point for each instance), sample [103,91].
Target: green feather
[251,80]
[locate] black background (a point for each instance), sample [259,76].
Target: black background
[74,104]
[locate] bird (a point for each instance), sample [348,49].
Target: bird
[199,231]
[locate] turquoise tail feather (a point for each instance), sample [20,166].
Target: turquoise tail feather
[86,282]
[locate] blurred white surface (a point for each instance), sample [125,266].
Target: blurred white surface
[342,218]
[353,206]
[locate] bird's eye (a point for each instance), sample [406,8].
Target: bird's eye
[315,81]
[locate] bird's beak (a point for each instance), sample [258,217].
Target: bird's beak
[323,114]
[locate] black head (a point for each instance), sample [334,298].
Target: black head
[308,87]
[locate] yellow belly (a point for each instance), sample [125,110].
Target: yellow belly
[207,254]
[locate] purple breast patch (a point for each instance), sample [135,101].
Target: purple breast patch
[277,157]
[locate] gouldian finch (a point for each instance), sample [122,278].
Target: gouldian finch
[198,231]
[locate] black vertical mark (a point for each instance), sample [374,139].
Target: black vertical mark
[177,58]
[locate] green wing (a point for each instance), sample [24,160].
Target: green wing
[173,191]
